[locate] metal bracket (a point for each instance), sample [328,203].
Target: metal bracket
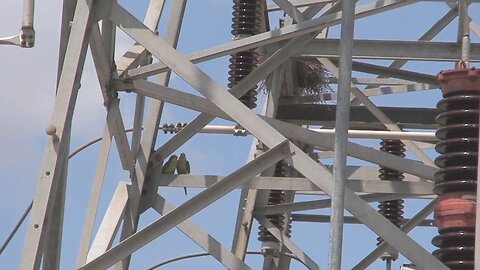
[24,39]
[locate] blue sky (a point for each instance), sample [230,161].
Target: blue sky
[26,100]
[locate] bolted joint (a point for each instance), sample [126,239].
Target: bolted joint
[122,84]
[27,37]
[239,131]
[270,249]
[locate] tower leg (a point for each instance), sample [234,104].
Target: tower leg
[56,150]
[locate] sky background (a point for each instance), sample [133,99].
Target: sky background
[27,91]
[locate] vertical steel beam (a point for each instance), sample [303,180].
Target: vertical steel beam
[53,240]
[341,135]
[56,150]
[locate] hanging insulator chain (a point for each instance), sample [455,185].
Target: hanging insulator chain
[276,197]
[246,21]
[392,209]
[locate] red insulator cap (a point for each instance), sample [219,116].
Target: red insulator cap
[462,79]
[456,210]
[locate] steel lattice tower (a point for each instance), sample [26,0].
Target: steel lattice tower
[295,135]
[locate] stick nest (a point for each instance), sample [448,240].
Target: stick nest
[312,78]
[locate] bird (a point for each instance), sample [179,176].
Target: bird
[183,167]
[170,166]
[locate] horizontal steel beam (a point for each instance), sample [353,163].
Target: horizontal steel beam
[371,81]
[384,90]
[297,184]
[391,49]
[399,89]
[347,219]
[299,3]
[325,114]
[392,72]
[325,203]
